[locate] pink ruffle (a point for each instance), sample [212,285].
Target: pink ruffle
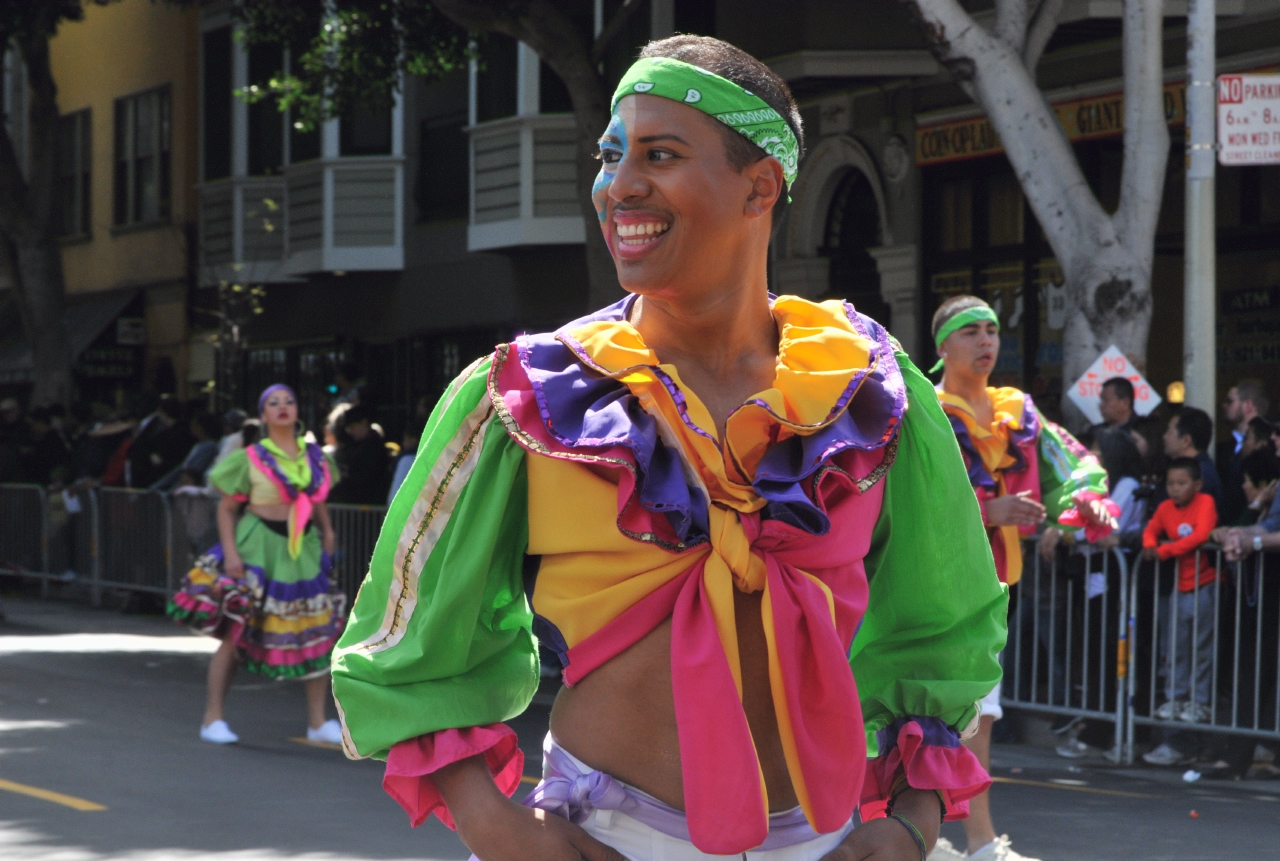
[1082,515]
[954,771]
[411,763]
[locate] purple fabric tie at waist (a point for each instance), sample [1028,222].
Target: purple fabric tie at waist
[572,790]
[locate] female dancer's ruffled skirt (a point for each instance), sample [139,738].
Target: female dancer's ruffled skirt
[284,615]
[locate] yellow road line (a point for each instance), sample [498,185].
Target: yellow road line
[532,781]
[46,795]
[1046,784]
[310,743]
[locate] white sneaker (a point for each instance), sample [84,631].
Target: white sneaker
[1195,713]
[999,850]
[219,733]
[1162,755]
[1074,748]
[944,851]
[1169,710]
[329,732]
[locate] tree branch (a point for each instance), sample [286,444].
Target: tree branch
[612,29]
[14,218]
[43,200]
[1073,221]
[1146,131]
[542,26]
[1041,29]
[1011,22]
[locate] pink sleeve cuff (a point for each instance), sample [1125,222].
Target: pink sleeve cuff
[411,762]
[931,755]
[1081,515]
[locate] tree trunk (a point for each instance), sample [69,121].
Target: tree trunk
[38,280]
[555,38]
[1105,259]
[29,221]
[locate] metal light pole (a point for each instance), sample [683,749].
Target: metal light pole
[1199,329]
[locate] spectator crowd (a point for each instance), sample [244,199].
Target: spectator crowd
[160,443]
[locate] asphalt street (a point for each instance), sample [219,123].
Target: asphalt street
[100,759]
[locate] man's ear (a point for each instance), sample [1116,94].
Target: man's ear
[767,184]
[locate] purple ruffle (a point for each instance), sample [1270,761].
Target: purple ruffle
[937,733]
[582,408]
[303,589]
[585,409]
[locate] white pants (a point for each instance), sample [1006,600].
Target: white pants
[991,704]
[640,842]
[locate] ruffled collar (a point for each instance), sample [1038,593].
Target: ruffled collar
[594,389]
[997,447]
[297,470]
[822,360]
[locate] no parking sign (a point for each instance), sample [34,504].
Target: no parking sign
[1085,391]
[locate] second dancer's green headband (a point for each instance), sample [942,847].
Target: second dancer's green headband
[738,108]
[967,317]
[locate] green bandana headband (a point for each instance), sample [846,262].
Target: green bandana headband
[741,110]
[967,317]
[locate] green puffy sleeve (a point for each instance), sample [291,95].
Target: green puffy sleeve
[440,636]
[231,474]
[1065,469]
[935,619]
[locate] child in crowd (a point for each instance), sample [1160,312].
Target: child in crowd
[1184,522]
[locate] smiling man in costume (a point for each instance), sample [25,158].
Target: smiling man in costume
[1024,470]
[741,521]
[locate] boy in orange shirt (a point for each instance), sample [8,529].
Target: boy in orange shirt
[1186,519]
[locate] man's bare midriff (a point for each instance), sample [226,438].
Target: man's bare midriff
[621,718]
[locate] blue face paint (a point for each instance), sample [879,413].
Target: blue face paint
[611,154]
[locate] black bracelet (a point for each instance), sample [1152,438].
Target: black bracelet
[915,834]
[893,800]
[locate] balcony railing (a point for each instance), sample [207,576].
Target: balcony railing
[524,183]
[242,229]
[346,214]
[342,214]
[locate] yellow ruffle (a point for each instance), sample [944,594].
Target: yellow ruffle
[819,354]
[992,444]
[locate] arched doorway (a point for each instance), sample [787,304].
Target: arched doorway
[852,227]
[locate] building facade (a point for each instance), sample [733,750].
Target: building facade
[126,78]
[903,198]
[411,240]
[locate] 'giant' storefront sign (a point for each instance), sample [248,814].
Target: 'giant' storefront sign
[1082,119]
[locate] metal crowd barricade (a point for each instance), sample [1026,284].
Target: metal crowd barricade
[1217,645]
[1068,636]
[356,530]
[23,530]
[195,530]
[136,541]
[71,529]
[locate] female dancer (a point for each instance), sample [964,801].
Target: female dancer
[264,589]
[1025,471]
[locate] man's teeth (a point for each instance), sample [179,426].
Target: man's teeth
[640,233]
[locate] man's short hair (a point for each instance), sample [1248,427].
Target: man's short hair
[746,71]
[1253,391]
[952,307]
[1190,464]
[1262,467]
[1121,388]
[1196,424]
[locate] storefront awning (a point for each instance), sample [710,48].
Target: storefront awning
[85,318]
